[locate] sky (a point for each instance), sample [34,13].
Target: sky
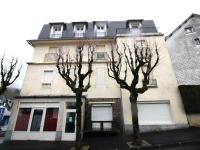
[22,20]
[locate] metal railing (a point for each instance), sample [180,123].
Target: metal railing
[79,34]
[56,35]
[50,57]
[135,31]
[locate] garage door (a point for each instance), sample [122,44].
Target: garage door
[154,113]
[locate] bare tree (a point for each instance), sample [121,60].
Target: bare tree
[138,62]
[71,70]
[9,73]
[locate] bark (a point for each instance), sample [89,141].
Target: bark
[135,124]
[78,119]
[2,89]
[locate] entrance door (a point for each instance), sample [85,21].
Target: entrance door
[69,126]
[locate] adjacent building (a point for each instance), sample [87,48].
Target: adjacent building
[45,109]
[184,47]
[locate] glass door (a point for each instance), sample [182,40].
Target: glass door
[69,125]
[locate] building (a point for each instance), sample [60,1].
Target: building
[45,109]
[184,47]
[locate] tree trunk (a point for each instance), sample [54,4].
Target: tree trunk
[134,110]
[78,119]
[2,89]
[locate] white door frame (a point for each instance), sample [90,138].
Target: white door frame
[68,136]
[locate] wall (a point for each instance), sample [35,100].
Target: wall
[185,53]
[166,90]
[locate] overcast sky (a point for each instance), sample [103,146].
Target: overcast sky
[22,20]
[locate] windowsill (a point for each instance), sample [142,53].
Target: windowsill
[152,86]
[187,33]
[46,85]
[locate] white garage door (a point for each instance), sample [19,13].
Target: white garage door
[154,113]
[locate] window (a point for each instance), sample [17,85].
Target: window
[100,28]
[134,24]
[23,119]
[100,55]
[79,30]
[154,113]
[102,117]
[78,49]
[134,27]
[141,43]
[189,29]
[56,31]
[52,55]
[51,118]
[71,105]
[36,120]
[100,77]
[197,41]
[48,77]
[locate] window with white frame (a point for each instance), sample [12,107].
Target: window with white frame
[189,29]
[100,77]
[100,29]
[135,27]
[152,79]
[100,55]
[79,30]
[154,113]
[47,77]
[56,31]
[52,55]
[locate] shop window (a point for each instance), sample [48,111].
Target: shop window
[23,119]
[51,118]
[36,121]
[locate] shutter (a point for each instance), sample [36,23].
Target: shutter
[48,76]
[100,77]
[102,113]
[154,114]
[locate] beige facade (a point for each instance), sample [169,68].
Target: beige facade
[44,93]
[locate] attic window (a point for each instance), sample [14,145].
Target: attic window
[189,29]
[197,41]
[79,30]
[100,28]
[56,31]
[134,24]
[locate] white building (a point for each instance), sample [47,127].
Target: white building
[45,109]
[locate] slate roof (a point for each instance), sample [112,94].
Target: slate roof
[148,26]
[184,22]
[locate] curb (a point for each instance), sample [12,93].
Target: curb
[161,146]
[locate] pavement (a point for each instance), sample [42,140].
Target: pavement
[181,139]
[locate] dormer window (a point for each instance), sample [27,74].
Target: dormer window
[79,30]
[197,41]
[100,28]
[189,29]
[56,31]
[135,26]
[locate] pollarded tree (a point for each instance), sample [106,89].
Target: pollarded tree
[9,73]
[72,71]
[138,61]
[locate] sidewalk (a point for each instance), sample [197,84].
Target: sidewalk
[182,139]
